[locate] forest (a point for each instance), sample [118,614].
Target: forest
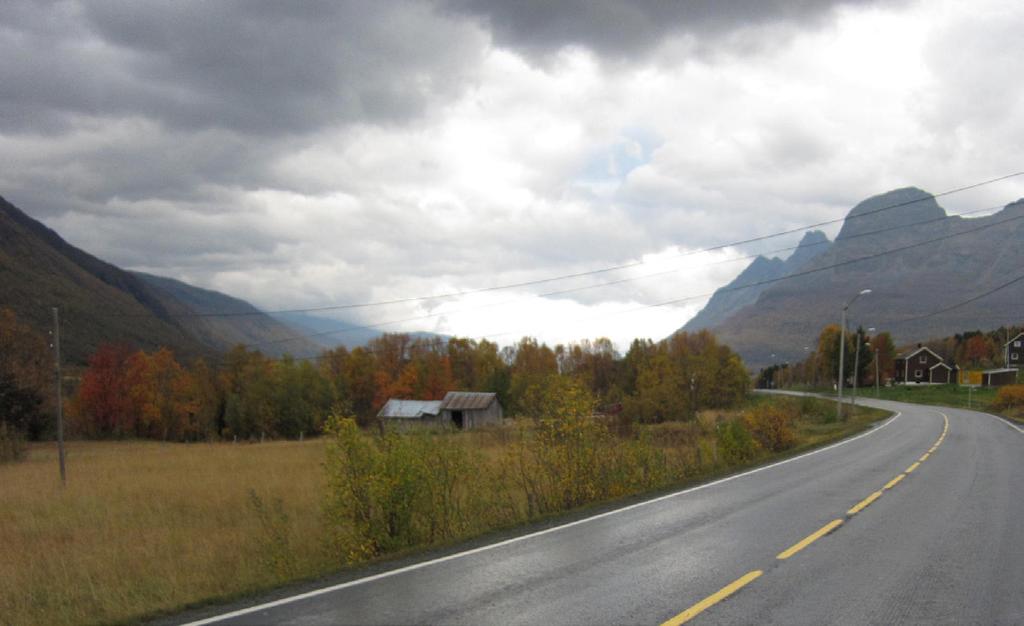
[123,392]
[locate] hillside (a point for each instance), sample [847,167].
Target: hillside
[244,323]
[745,288]
[970,257]
[101,303]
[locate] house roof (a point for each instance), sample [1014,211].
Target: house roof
[410,409]
[1019,335]
[467,400]
[940,364]
[916,350]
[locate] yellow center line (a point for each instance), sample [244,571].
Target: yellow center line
[749,577]
[809,539]
[714,598]
[892,483]
[864,503]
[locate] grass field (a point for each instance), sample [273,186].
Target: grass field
[958,396]
[143,528]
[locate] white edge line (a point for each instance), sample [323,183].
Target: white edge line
[1004,421]
[450,557]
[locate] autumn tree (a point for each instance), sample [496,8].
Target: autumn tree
[882,342]
[26,370]
[163,395]
[104,406]
[533,364]
[360,371]
[661,392]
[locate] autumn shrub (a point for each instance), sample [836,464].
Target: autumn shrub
[1009,397]
[736,444]
[394,491]
[771,426]
[557,459]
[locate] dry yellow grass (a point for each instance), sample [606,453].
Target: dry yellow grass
[144,527]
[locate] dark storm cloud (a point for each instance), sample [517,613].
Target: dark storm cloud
[615,28]
[257,67]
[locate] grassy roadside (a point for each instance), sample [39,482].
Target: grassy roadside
[146,528]
[957,396]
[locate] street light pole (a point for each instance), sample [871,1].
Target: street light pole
[876,373]
[856,370]
[842,351]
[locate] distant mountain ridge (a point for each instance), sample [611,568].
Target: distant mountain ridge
[965,258]
[745,288]
[102,303]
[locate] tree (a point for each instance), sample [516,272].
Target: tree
[533,364]
[978,350]
[661,391]
[828,353]
[104,404]
[161,392]
[26,368]
[360,371]
[882,342]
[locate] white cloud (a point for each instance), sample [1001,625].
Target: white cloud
[512,166]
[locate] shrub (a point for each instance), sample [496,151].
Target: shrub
[771,426]
[1009,397]
[736,444]
[394,491]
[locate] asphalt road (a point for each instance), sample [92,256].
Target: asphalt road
[944,544]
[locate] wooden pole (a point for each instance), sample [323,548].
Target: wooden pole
[60,404]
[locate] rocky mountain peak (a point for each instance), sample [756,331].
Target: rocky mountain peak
[813,243]
[900,207]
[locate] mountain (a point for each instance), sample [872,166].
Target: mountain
[243,324]
[745,288]
[102,303]
[331,333]
[917,260]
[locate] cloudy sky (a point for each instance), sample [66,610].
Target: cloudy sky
[315,154]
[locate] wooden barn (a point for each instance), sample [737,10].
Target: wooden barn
[408,412]
[460,409]
[471,409]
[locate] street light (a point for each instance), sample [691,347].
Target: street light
[842,351]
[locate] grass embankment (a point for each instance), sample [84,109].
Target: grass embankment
[143,528]
[987,399]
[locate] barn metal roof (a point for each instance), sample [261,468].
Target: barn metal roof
[467,400]
[410,409]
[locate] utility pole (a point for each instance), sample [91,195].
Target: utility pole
[856,369]
[876,372]
[60,405]
[842,352]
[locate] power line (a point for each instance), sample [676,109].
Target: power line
[374,326]
[960,304]
[455,294]
[774,280]
[794,275]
